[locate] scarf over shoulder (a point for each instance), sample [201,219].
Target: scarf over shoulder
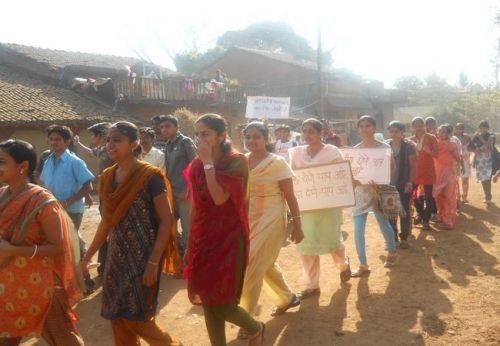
[217,232]
[116,203]
[29,309]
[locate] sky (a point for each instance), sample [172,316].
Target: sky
[382,40]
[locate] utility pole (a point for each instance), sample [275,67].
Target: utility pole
[320,76]
[497,63]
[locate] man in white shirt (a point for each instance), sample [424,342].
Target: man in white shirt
[283,142]
[150,154]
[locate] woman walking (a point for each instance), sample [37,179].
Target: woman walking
[466,166]
[271,188]
[482,145]
[445,189]
[38,283]
[138,224]
[321,227]
[217,253]
[364,204]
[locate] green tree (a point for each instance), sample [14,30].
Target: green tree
[409,83]
[271,36]
[434,81]
[454,104]
[192,61]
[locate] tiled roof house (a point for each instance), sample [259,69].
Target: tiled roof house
[25,100]
[34,91]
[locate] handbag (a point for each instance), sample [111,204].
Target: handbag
[388,202]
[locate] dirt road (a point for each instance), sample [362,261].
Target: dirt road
[445,290]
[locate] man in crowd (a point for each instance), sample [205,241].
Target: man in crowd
[179,153]
[150,154]
[283,141]
[160,141]
[431,127]
[425,174]
[68,178]
[98,140]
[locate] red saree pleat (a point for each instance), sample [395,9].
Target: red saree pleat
[216,231]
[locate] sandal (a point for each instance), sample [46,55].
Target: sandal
[361,271]
[404,245]
[258,338]
[346,274]
[309,293]
[280,311]
[242,334]
[390,261]
[445,227]
[417,220]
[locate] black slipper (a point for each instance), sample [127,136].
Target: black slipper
[280,311]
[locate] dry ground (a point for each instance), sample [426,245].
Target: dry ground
[445,290]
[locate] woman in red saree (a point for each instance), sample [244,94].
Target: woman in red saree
[218,242]
[445,189]
[38,284]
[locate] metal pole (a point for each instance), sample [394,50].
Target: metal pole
[320,77]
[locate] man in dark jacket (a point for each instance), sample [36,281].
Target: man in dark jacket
[179,152]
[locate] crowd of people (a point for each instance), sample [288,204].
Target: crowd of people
[234,210]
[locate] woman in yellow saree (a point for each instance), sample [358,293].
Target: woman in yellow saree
[271,188]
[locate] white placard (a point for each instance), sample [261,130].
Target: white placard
[268,107]
[323,187]
[369,164]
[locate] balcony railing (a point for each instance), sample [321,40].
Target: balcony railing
[140,89]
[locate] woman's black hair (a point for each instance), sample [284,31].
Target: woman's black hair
[368,118]
[130,131]
[430,120]
[263,129]
[485,124]
[448,128]
[315,123]
[219,125]
[398,125]
[21,151]
[418,120]
[100,129]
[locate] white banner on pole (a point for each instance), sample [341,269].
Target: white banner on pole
[267,107]
[369,164]
[324,187]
